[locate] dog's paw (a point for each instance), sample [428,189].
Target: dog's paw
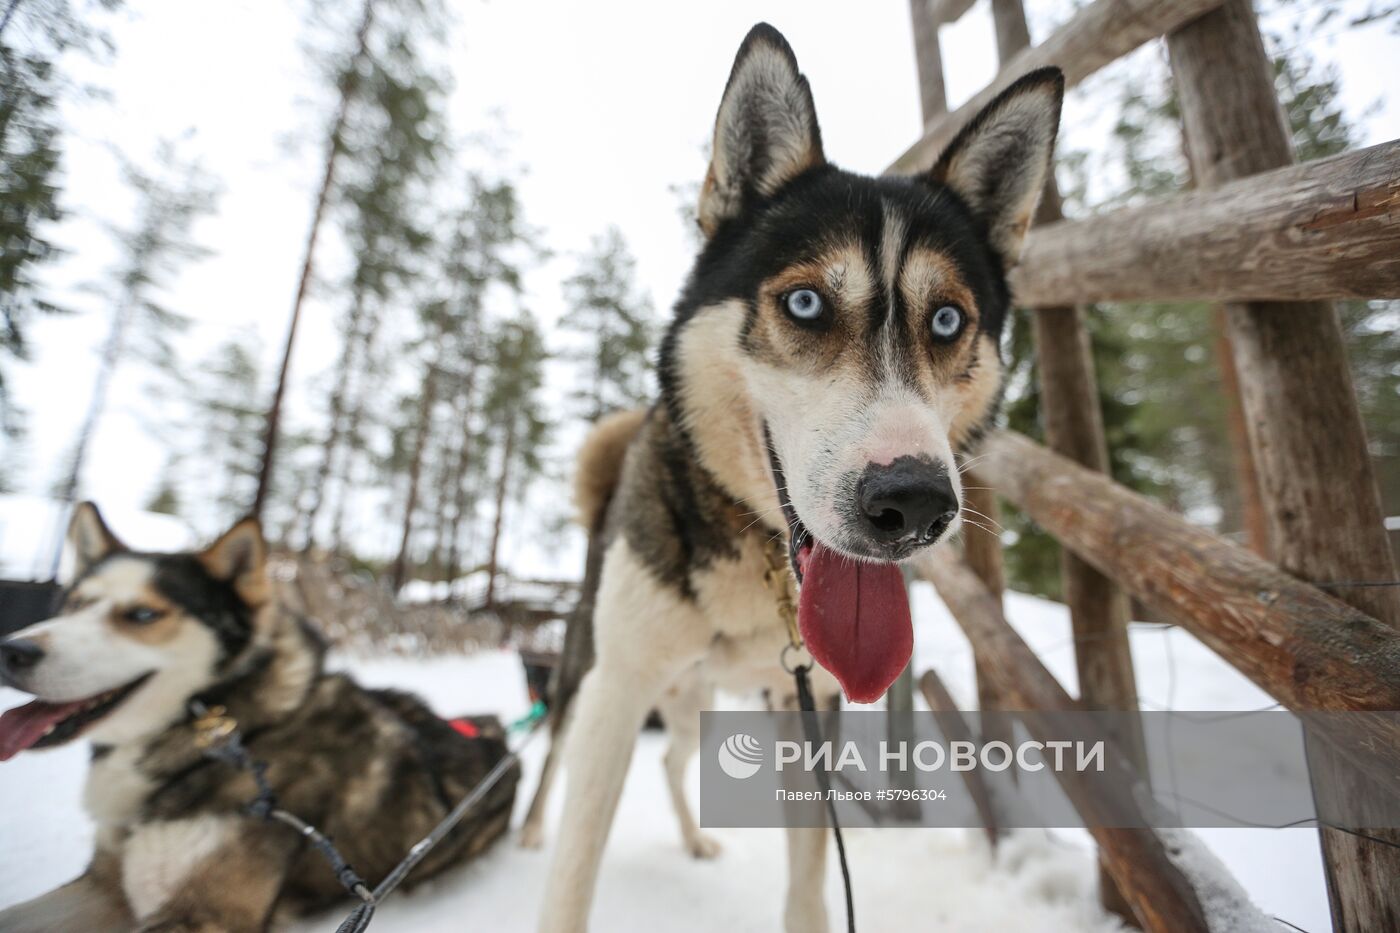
[702,846]
[531,836]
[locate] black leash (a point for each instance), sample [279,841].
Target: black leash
[811,726]
[777,577]
[217,736]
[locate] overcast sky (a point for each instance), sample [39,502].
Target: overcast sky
[607,105]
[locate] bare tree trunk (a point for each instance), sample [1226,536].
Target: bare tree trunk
[111,356]
[274,411]
[339,397]
[415,469]
[439,510]
[502,484]
[343,487]
[458,477]
[352,433]
[459,505]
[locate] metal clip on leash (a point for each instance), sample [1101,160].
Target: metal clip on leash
[778,578]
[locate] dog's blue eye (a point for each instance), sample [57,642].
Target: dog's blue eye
[804,304]
[946,323]
[141,615]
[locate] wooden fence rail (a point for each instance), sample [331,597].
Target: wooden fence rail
[1325,230]
[1309,650]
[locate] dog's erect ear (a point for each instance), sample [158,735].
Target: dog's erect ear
[90,538]
[766,133]
[999,162]
[239,557]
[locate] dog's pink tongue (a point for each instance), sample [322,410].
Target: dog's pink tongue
[854,617]
[24,725]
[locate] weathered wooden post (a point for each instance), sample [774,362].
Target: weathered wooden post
[982,549]
[1069,400]
[928,58]
[1256,524]
[1316,479]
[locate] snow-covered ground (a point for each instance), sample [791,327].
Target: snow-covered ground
[944,880]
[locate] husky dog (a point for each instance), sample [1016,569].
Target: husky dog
[597,469]
[836,343]
[139,640]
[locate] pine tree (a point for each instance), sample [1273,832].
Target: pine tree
[31,88]
[617,325]
[347,86]
[151,251]
[517,426]
[390,140]
[228,414]
[165,498]
[489,241]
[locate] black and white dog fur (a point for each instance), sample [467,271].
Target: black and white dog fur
[137,638]
[835,346]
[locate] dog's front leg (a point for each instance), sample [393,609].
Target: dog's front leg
[680,707]
[207,874]
[646,635]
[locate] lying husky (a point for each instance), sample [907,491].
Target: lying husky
[835,345]
[139,639]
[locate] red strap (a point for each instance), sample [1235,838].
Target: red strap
[465,727]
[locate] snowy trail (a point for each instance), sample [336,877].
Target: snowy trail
[942,880]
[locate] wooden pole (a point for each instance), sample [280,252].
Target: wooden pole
[1252,516]
[928,58]
[1326,229]
[1319,488]
[942,12]
[422,435]
[955,729]
[1160,897]
[323,195]
[982,550]
[1069,403]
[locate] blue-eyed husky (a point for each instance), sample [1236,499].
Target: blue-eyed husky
[835,345]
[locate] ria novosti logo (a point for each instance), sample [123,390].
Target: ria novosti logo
[740,756]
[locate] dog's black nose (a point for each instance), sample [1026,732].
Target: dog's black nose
[18,655]
[909,498]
